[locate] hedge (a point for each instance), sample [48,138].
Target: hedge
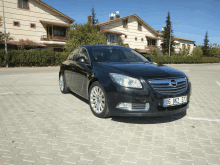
[16,58]
[183,59]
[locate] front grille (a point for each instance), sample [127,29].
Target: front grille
[138,106]
[164,86]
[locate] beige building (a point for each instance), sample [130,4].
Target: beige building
[36,21]
[137,34]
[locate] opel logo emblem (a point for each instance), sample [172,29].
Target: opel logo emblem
[173,83]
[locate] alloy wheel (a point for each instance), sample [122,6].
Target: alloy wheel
[61,83]
[97,99]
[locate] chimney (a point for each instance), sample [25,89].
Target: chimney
[89,19]
[111,18]
[117,16]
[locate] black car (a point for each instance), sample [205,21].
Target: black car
[118,81]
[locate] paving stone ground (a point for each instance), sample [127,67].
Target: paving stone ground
[39,125]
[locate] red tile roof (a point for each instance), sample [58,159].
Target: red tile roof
[111,31]
[156,38]
[17,43]
[55,23]
[126,17]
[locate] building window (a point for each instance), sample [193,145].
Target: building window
[183,46]
[16,23]
[142,39]
[189,47]
[23,4]
[135,38]
[33,25]
[59,31]
[125,36]
[139,26]
[151,42]
[112,38]
[125,23]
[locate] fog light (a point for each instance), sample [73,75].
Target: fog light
[127,106]
[147,106]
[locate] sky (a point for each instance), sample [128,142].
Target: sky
[195,16]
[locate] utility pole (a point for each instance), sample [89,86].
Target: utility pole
[4,30]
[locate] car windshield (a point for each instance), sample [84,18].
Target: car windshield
[116,54]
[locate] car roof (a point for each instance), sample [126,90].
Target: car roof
[101,45]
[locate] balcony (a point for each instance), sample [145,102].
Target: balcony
[53,38]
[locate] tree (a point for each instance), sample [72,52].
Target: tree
[121,43]
[214,50]
[2,37]
[93,18]
[197,52]
[166,37]
[205,47]
[84,34]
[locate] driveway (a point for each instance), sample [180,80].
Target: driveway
[39,125]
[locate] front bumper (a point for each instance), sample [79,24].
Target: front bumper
[117,94]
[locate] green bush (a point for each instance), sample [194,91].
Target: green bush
[214,52]
[182,59]
[16,58]
[197,52]
[154,53]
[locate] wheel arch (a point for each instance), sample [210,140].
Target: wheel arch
[91,82]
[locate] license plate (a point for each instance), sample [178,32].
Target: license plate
[174,101]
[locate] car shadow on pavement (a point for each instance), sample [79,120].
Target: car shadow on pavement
[150,120]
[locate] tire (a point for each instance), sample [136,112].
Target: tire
[99,108]
[62,83]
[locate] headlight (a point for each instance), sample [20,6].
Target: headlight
[125,81]
[187,77]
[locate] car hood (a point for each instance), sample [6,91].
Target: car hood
[144,70]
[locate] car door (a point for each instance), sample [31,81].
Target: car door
[67,72]
[81,74]
[72,67]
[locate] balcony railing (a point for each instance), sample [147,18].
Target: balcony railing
[53,38]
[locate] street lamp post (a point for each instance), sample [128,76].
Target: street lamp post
[4,30]
[170,37]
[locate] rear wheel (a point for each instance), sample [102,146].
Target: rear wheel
[98,100]
[63,88]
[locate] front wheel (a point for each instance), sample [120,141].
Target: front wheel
[98,100]
[63,88]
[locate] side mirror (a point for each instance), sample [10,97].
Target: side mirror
[149,59]
[81,59]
